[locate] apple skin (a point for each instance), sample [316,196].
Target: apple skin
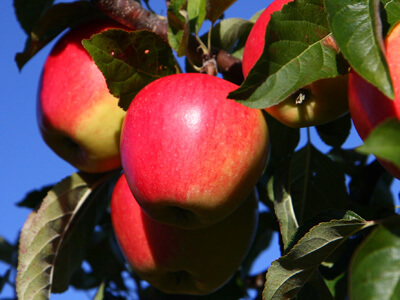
[326,99]
[368,106]
[190,155]
[182,261]
[78,117]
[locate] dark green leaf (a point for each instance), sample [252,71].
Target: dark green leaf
[105,259]
[29,12]
[33,199]
[283,140]
[215,8]
[56,19]
[322,217]
[392,8]
[230,35]
[375,270]
[262,240]
[348,160]
[283,206]
[298,51]
[7,252]
[317,184]
[384,142]
[130,60]
[335,133]
[53,239]
[179,29]
[356,27]
[382,195]
[4,279]
[338,287]
[288,274]
[335,268]
[196,14]
[315,288]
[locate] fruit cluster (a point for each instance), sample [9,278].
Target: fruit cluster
[190,160]
[190,156]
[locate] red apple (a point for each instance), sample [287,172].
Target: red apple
[325,99]
[368,106]
[78,117]
[190,155]
[176,260]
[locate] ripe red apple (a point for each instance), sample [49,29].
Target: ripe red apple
[78,117]
[190,155]
[368,106]
[177,260]
[325,99]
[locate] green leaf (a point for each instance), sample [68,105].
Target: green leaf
[375,269]
[196,14]
[29,12]
[283,207]
[230,35]
[298,51]
[384,142]
[33,199]
[7,251]
[215,8]
[262,239]
[315,288]
[105,259]
[348,160]
[178,26]
[4,279]
[283,140]
[392,8]
[338,286]
[100,292]
[54,21]
[317,184]
[53,238]
[289,273]
[335,133]
[356,27]
[130,60]
[382,196]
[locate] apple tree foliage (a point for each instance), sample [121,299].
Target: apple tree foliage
[333,210]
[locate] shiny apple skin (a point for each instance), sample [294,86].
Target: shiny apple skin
[326,99]
[181,261]
[190,155]
[78,117]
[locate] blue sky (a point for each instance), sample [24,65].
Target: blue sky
[26,162]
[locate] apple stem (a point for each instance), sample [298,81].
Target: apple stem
[300,98]
[209,65]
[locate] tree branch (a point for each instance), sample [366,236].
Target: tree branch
[131,14]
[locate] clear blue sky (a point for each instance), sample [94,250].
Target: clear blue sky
[26,163]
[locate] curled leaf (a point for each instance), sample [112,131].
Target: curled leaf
[289,273]
[53,238]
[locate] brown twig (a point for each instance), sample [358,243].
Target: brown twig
[131,14]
